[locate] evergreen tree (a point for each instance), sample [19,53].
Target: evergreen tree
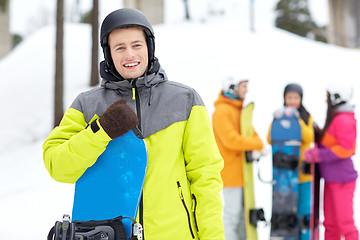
[294,16]
[16,39]
[87,17]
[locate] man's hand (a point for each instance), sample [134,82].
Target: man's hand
[118,119]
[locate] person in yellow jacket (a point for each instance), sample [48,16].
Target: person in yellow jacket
[181,195]
[293,95]
[226,127]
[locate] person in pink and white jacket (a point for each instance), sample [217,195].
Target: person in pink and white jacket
[333,150]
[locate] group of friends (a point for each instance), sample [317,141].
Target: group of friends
[331,147]
[190,161]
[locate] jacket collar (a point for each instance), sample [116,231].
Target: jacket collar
[346,107]
[224,99]
[148,80]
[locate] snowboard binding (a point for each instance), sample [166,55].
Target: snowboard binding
[112,229]
[284,221]
[306,168]
[64,230]
[257,215]
[282,160]
[305,222]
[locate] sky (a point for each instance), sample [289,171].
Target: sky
[201,54]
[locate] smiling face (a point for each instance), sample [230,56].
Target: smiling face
[129,51]
[293,99]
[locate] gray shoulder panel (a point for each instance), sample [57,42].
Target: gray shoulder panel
[170,102]
[161,104]
[94,101]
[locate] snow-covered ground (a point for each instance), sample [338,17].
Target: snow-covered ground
[200,53]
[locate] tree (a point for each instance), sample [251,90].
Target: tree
[5,36]
[86,17]
[94,78]
[59,82]
[4,4]
[294,16]
[187,14]
[16,39]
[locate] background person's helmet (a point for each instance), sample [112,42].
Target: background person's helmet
[231,85]
[339,93]
[121,18]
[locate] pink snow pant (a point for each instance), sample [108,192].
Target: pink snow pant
[338,211]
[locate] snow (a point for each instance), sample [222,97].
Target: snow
[200,53]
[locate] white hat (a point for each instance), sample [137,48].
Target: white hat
[231,85]
[339,93]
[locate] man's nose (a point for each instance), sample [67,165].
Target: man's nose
[130,53]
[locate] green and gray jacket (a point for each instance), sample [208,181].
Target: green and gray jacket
[181,197]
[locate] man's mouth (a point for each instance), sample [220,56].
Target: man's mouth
[131,64]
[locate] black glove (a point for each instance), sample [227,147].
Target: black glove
[118,119]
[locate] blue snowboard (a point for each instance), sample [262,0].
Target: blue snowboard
[112,187]
[285,141]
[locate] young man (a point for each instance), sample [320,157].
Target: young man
[181,198]
[226,126]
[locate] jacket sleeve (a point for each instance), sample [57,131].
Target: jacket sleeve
[72,147]
[230,136]
[343,133]
[203,165]
[307,131]
[268,138]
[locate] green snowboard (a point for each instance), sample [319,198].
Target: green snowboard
[252,215]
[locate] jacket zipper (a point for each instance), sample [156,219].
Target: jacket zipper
[136,97]
[195,205]
[186,209]
[141,214]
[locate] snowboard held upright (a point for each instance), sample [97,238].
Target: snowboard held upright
[252,214]
[108,194]
[285,141]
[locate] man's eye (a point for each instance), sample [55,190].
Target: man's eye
[137,45]
[120,48]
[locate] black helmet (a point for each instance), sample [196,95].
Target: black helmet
[293,87]
[126,17]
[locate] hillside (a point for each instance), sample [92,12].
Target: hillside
[199,53]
